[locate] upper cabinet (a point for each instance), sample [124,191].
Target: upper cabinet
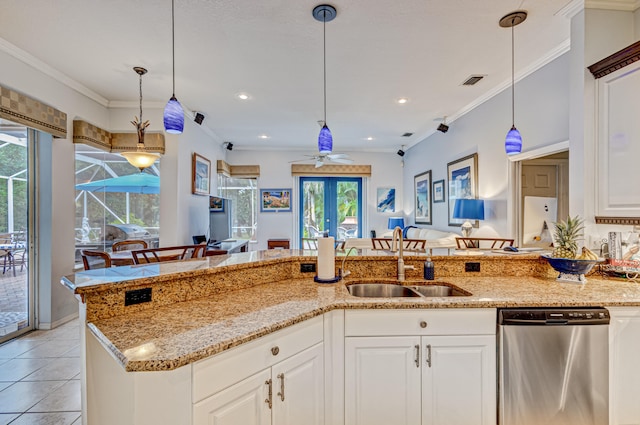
[618,137]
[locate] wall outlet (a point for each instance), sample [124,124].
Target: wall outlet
[307,268]
[137,296]
[471,267]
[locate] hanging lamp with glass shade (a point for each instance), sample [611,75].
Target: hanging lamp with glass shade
[173,112]
[513,141]
[140,158]
[324,13]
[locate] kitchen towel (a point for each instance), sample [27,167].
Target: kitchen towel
[326,258]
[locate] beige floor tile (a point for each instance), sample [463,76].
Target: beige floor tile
[21,396]
[16,347]
[56,418]
[78,421]
[74,352]
[58,369]
[6,418]
[63,399]
[51,348]
[4,385]
[16,369]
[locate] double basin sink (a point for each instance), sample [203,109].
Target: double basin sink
[391,290]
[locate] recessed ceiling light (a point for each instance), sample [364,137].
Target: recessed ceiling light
[263,136]
[369,138]
[243,96]
[402,100]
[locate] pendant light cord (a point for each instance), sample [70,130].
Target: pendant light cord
[324,56]
[513,85]
[141,99]
[173,46]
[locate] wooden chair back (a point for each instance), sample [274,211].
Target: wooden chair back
[490,243]
[168,253]
[309,243]
[212,252]
[95,259]
[407,244]
[129,245]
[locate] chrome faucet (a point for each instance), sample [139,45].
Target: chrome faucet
[397,238]
[344,273]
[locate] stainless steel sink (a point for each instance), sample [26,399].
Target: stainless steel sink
[392,290]
[380,290]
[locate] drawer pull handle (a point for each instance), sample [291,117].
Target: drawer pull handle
[281,393]
[269,400]
[423,324]
[417,355]
[275,350]
[429,355]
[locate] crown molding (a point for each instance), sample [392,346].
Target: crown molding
[571,9]
[27,58]
[625,5]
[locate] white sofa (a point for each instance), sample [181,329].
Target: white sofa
[434,238]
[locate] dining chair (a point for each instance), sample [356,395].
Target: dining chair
[212,252]
[309,243]
[95,259]
[129,245]
[417,245]
[168,253]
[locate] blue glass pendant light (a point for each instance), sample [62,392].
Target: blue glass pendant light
[325,13]
[173,112]
[513,141]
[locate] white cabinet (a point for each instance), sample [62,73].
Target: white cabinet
[278,379]
[290,392]
[617,193]
[624,366]
[445,373]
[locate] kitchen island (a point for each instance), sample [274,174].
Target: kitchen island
[202,310]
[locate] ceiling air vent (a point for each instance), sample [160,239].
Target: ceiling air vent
[407,135]
[473,79]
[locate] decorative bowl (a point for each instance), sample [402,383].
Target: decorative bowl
[571,270]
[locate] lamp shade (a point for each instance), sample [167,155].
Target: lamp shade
[513,142]
[173,116]
[470,209]
[141,159]
[395,222]
[325,140]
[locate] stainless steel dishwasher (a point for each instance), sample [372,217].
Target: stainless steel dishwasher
[554,366]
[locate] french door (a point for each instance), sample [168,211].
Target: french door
[330,206]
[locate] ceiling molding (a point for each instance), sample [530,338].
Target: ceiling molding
[625,5]
[571,9]
[27,58]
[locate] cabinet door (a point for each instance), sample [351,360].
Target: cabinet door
[298,388]
[241,404]
[459,380]
[624,367]
[382,380]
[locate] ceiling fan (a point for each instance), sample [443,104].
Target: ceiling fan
[320,158]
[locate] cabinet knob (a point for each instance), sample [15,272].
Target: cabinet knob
[275,350]
[423,324]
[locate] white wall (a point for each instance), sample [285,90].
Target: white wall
[542,116]
[275,172]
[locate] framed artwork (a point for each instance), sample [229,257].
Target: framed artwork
[386,199]
[422,198]
[463,183]
[216,204]
[275,200]
[200,175]
[438,191]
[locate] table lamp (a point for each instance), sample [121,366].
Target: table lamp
[395,222]
[468,209]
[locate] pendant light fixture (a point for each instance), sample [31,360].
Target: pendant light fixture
[173,112]
[513,141]
[324,13]
[140,159]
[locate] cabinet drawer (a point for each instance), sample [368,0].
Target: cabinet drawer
[222,370]
[456,321]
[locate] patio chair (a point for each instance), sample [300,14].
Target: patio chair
[168,253]
[95,259]
[129,245]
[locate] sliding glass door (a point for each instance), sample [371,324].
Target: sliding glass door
[330,206]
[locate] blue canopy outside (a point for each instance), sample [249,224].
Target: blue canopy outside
[133,183]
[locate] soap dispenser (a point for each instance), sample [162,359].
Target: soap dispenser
[429,269]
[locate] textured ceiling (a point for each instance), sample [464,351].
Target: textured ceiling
[377,52]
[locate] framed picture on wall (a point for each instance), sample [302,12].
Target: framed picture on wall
[200,175]
[462,175]
[275,200]
[422,198]
[438,191]
[386,199]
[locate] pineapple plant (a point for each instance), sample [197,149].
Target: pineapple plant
[566,236]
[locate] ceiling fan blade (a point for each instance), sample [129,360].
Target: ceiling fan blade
[341,160]
[337,155]
[319,163]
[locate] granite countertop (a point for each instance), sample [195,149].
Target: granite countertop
[175,335]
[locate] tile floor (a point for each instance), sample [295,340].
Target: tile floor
[40,378]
